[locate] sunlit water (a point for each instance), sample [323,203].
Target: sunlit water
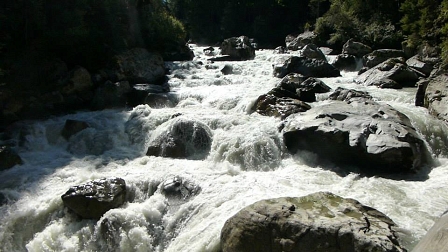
[247,163]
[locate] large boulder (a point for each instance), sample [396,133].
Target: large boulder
[181,138]
[181,52]
[359,132]
[313,52]
[271,105]
[295,43]
[238,48]
[140,66]
[95,198]
[420,66]
[436,96]
[139,92]
[299,87]
[345,62]
[8,158]
[378,56]
[306,67]
[354,48]
[436,240]
[393,73]
[79,82]
[319,222]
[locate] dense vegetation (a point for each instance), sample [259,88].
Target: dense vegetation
[88,32]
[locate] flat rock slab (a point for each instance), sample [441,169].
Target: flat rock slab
[319,222]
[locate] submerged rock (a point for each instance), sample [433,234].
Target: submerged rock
[317,222]
[95,198]
[307,67]
[8,158]
[181,138]
[179,188]
[359,132]
[71,127]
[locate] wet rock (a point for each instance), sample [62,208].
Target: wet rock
[342,94]
[71,127]
[299,87]
[8,158]
[227,69]
[295,43]
[280,50]
[393,73]
[209,51]
[379,56]
[181,138]
[313,52]
[436,239]
[318,222]
[271,105]
[111,95]
[238,48]
[345,62]
[435,97]
[306,67]
[165,100]
[373,137]
[95,198]
[179,187]
[140,66]
[354,48]
[140,92]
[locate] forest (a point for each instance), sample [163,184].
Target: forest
[89,32]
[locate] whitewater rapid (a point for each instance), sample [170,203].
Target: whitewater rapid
[247,163]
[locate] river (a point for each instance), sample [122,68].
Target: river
[247,163]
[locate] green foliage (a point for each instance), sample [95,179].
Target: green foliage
[369,21]
[161,31]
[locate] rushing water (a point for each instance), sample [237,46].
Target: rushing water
[247,163]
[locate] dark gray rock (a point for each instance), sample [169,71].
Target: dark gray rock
[313,52]
[345,62]
[140,66]
[238,48]
[157,100]
[306,67]
[95,198]
[295,43]
[342,94]
[420,66]
[227,69]
[178,187]
[139,92]
[436,94]
[181,138]
[181,52]
[280,50]
[319,222]
[271,105]
[436,239]
[393,73]
[378,56]
[354,48]
[71,127]
[8,158]
[375,138]
[299,87]
[111,95]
